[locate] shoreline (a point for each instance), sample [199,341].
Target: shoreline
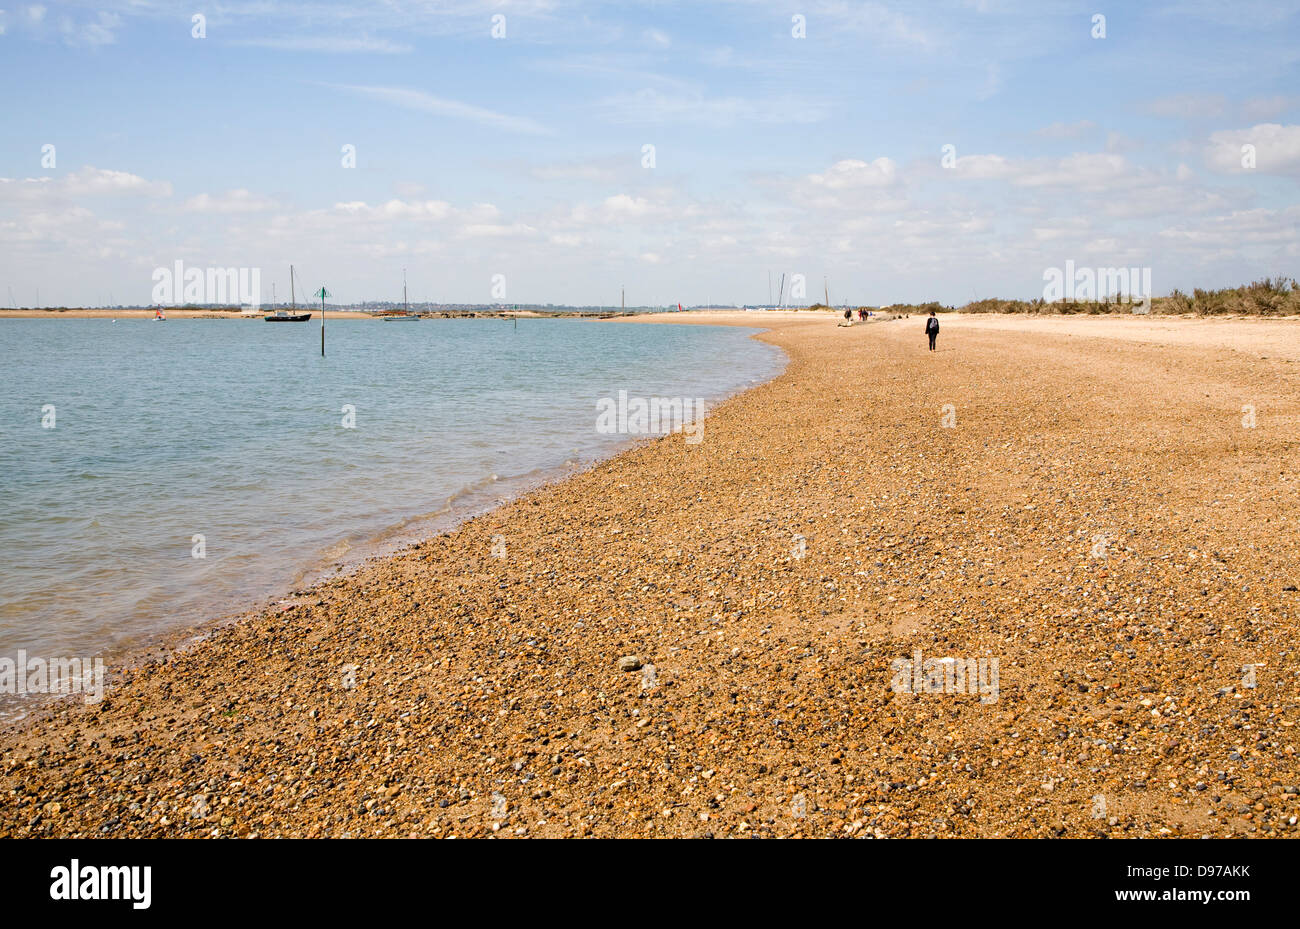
[390,542]
[475,676]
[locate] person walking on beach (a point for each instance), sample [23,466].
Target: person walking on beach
[932,329]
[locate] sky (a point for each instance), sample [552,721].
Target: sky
[558,151]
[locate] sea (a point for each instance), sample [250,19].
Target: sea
[155,476]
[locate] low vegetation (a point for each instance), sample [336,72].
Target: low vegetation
[1277,296]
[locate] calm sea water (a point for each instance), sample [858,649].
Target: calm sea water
[233,430]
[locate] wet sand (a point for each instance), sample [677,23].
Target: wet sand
[1089,511]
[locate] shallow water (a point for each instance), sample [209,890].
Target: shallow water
[233,430]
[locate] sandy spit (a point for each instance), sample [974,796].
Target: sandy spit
[1091,512]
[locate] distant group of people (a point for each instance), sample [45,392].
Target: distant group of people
[931,323]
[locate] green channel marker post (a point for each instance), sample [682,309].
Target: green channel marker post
[322,293]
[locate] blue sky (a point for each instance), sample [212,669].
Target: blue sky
[522,156]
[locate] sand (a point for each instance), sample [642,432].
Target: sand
[1087,508]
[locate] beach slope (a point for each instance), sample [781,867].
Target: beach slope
[1103,527]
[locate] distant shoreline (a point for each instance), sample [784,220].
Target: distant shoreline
[331,314]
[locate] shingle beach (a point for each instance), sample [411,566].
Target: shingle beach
[756,635]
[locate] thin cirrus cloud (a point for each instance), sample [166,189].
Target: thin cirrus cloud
[1269,107]
[1062,130]
[1187,106]
[422,102]
[328,44]
[884,24]
[651,106]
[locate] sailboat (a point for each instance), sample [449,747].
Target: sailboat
[281,316]
[406,307]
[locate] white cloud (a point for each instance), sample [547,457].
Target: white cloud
[851,173]
[618,210]
[1062,229]
[94,32]
[87,182]
[396,209]
[1277,149]
[328,44]
[497,230]
[983,167]
[234,201]
[1240,228]
[1085,170]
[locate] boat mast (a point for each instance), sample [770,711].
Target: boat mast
[405,307]
[293,301]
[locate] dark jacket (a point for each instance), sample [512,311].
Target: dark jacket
[932,325]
